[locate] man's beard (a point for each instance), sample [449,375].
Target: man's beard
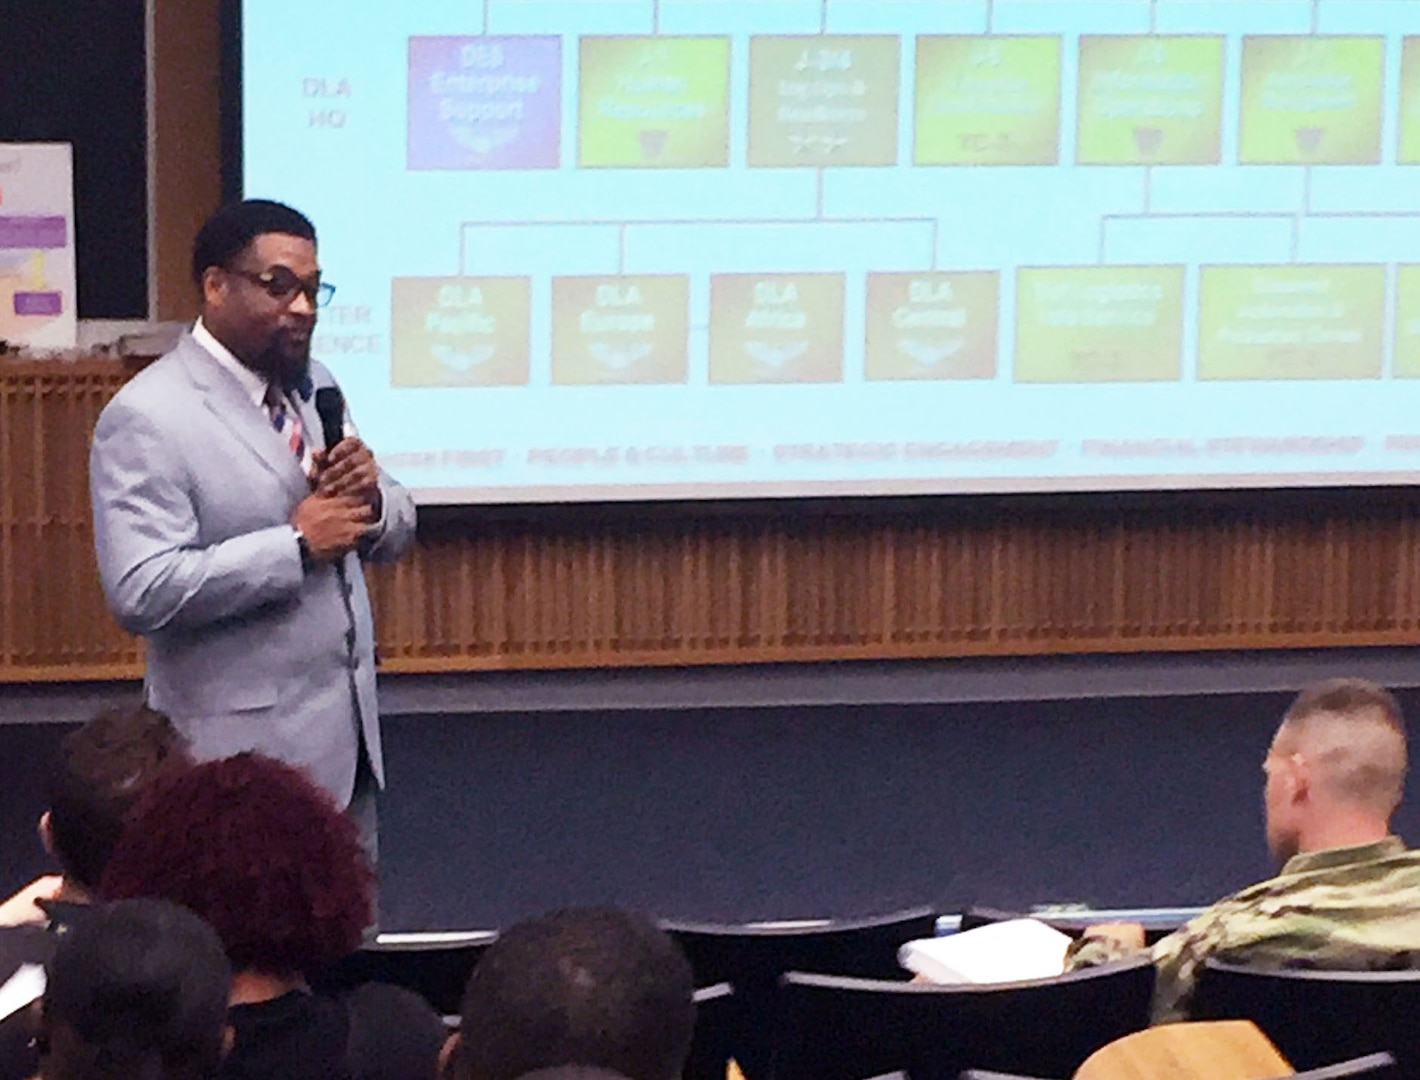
[289,364]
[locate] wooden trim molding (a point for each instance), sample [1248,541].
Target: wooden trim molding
[937,578]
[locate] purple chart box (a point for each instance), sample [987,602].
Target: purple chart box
[39,303]
[33,231]
[485,102]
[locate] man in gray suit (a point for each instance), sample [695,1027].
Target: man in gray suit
[230,536]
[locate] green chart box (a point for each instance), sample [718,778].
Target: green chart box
[987,100]
[1150,100]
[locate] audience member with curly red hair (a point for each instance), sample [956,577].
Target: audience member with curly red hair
[267,858]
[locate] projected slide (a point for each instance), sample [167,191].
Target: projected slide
[645,249]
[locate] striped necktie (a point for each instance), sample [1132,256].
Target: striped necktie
[287,422]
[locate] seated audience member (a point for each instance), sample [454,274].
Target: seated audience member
[394,1034]
[1348,894]
[262,853]
[100,770]
[136,989]
[592,987]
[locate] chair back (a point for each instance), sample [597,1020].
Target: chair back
[435,965]
[846,1029]
[1318,1018]
[1370,1067]
[752,956]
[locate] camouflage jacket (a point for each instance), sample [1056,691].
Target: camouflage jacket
[1344,909]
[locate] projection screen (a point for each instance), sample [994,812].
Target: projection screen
[649,249]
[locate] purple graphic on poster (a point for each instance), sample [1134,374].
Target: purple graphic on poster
[39,303]
[33,231]
[485,102]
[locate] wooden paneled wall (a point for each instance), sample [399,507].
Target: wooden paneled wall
[53,624]
[631,586]
[186,152]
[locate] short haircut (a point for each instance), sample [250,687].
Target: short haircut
[228,232]
[1354,732]
[394,1034]
[100,771]
[596,987]
[136,989]
[257,849]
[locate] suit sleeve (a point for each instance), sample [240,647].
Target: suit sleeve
[395,530]
[155,574]
[391,537]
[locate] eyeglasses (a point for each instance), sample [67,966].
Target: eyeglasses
[282,285]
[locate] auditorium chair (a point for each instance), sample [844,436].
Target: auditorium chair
[1320,1017]
[1366,1067]
[752,956]
[835,1028]
[434,965]
[710,1048]
[1369,1067]
[20,945]
[1157,923]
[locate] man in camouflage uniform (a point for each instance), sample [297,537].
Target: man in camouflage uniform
[1348,895]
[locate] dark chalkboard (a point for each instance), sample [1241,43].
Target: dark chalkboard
[74,72]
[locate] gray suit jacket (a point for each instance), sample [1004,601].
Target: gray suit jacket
[193,491]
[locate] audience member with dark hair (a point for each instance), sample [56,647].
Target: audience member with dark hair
[592,987]
[99,773]
[136,991]
[233,229]
[394,1034]
[262,853]
[1345,898]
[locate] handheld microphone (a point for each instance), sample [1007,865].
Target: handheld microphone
[330,407]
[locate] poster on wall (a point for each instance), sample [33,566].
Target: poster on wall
[37,291]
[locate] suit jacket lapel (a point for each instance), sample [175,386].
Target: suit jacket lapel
[224,398]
